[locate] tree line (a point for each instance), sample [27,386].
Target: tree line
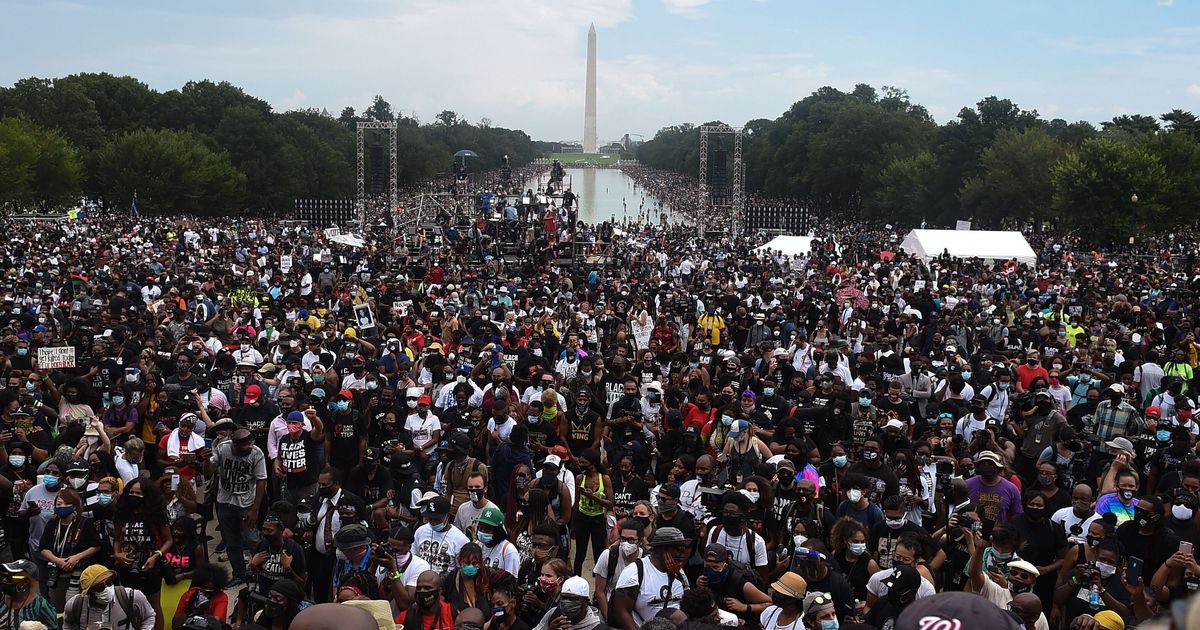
[878,153]
[208,147]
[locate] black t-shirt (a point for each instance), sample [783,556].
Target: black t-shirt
[300,460]
[371,489]
[345,430]
[272,570]
[1040,542]
[628,492]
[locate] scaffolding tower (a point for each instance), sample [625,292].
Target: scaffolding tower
[733,204]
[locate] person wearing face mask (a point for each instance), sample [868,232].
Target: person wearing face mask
[732,531]
[667,502]
[1043,541]
[276,556]
[574,610]
[437,541]
[101,602]
[473,582]
[120,417]
[787,603]
[37,506]
[346,437]
[1095,586]
[498,552]
[1145,536]
[241,470]
[872,466]
[141,538]
[999,587]
[428,610]
[811,563]
[283,605]
[426,431]
[884,536]
[1036,432]
[612,561]
[857,504]
[652,583]
[1182,520]
[998,497]
[67,543]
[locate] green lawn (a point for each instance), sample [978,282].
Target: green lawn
[590,158]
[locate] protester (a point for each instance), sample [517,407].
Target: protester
[466,420]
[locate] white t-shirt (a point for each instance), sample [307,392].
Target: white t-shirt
[1071,523]
[468,515]
[601,569]
[1002,596]
[502,556]
[653,592]
[968,425]
[422,429]
[504,430]
[439,549]
[739,548]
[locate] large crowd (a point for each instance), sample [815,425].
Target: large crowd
[208,423]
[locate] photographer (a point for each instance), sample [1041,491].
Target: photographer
[1094,586]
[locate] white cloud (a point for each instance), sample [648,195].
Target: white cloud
[1194,89]
[297,100]
[686,8]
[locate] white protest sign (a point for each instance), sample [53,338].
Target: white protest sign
[56,358]
[331,232]
[285,263]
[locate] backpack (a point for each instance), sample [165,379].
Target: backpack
[124,597]
[748,570]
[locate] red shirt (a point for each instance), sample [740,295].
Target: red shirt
[1026,374]
[696,417]
[443,619]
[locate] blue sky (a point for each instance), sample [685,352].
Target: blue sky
[520,63]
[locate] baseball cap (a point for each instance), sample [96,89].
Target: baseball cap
[903,578]
[24,566]
[1117,387]
[553,460]
[424,399]
[438,505]
[253,393]
[716,551]
[491,516]
[577,586]
[295,416]
[954,609]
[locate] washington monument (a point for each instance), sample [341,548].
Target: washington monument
[589,105]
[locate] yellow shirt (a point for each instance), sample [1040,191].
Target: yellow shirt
[713,325]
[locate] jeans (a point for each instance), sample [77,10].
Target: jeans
[237,536]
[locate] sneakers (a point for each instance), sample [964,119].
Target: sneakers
[221,547]
[235,582]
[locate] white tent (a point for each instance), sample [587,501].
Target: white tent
[988,245]
[789,245]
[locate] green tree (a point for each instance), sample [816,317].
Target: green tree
[380,110]
[1094,190]
[1016,181]
[902,193]
[1181,121]
[38,167]
[1179,154]
[1126,125]
[172,171]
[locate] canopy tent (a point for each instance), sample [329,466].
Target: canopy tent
[988,245]
[789,245]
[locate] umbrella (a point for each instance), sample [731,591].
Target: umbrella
[465,153]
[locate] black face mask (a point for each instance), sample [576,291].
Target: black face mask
[780,600]
[427,599]
[1145,518]
[730,521]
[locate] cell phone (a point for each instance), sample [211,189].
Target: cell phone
[1133,571]
[1185,547]
[174,482]
[985,527]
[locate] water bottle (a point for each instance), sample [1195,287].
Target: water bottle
[1094,598]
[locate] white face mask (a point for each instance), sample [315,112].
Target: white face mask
[854,495]
[1182,512]
[105,597]
[628,549]
[78,482]
[1106,570]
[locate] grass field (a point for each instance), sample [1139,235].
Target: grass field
[590,158]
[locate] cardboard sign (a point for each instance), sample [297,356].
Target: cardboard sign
[285,263]
[331,232]
[56,358]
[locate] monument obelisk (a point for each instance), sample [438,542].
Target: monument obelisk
[589,105]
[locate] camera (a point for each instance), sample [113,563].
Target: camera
[710,498]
